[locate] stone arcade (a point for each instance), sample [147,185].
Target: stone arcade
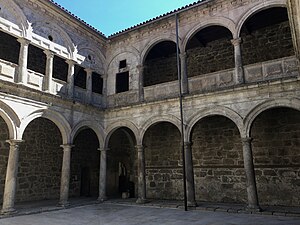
[82,114]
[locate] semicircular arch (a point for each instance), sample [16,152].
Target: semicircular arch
[119,124]
[215,111]
[167,37]
[292,103]
[256,9]
[91,125]
[46,29]
[55,117]
[13,13]
[159,119]
[218,21]
[11,119]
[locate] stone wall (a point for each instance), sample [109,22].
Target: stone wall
[85,164]
[163,159]
[276,141]
[218,161]
[267,43]
[160,70]
[40,162]
[9,48]
[4,151]
[121,150]
[215,56]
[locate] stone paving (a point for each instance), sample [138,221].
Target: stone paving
[121,214]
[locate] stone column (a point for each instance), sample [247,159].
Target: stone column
[23,58]
[89,85]
[239,70]
[294,18]
[102,177]
[11,177]
[65,175]
[140,69]
[250,175]
[141,175]
[47,84]
[184,76]
[190,185]
[71,71]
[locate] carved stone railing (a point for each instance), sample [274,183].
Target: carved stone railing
[212,81]
[80,94]
[35,80]
[97,99]
[273,69]
[59,87]
[8,71]
[161,91]
[123,98]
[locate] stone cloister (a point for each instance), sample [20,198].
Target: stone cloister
[82,114]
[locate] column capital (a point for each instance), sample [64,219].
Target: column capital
[88,70]
[140,66]
[103,149]
[71,62]
[247,139]
[183,55]
[14,142]
[23,41]
[140,148]
[49,53]
[67,147]
[236,41]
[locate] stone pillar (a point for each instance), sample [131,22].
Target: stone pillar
[250,175]
[184,76]
[65,175]
[102,177]
[11,177]
[294,18]
[190,185]
[89,85]
[141,175]
[47,85]
[71,72]
[239,70]
[23,58]
[140,69]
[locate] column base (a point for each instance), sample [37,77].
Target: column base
[8,211]
[192,204]
[64,204]
[102,199]
[141,201]
[253,208]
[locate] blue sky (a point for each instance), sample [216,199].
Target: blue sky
[110,16]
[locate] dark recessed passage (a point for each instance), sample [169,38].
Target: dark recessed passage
[80,77]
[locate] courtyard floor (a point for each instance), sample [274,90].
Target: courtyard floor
[114,213]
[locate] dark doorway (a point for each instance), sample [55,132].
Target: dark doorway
[85,189]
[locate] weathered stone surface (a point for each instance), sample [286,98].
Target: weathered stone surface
[218,161]
[4,151]
[276,138]
[163,156]
[40,162]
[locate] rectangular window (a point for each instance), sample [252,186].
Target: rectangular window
[122,64]
[122,82]
[36,59]
[80,77]
[97,83]
[60,68]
